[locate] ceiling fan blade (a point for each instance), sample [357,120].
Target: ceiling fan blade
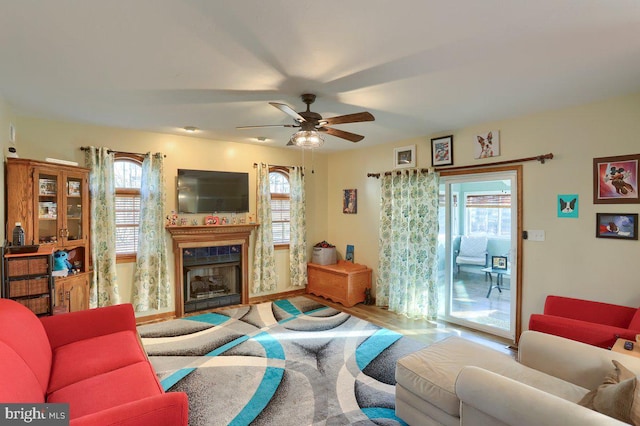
[341,134]
[266,125]
[289,111]
[358,117]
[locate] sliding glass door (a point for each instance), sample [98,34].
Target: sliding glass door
[478,251]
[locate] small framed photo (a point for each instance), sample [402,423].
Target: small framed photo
[499,263]
[621,226]
[404,157]
[442,151]
[615,180]
[349,253]
[350,201]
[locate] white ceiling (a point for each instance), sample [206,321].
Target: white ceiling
[419,66]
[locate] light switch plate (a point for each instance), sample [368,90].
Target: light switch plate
[536,235]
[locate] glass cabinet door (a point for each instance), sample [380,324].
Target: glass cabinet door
[73,228]
[47,216]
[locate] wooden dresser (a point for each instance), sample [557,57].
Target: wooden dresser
[343,282]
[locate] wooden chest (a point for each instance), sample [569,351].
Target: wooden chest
[343,282]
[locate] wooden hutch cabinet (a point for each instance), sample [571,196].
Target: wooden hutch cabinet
[52,203]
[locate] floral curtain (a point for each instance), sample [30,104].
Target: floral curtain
[298,230]
[103,290]
[151,287]
[408,240]
[264,263]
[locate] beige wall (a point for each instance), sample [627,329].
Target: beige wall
[40,139]
[571,261]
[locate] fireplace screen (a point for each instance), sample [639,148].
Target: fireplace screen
[212,277]
[208,281]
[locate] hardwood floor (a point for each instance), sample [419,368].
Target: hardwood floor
[422,330]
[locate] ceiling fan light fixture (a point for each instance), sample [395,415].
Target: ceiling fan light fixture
[307,139]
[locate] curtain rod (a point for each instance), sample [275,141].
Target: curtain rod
[274,165]
[540,158]
[86,148]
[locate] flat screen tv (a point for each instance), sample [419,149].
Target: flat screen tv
[204,191]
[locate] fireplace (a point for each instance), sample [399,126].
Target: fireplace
[211,266]
[212,277]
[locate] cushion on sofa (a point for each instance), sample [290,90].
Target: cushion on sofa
[589,310]
[590,333]
[22,331]
[104,391]
[617,397]
[431,373]
[86,358]
[18,383]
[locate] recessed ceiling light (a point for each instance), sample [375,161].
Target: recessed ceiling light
[190,129]
[261,138]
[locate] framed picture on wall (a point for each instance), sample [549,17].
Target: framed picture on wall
[404,157]
[615,179]
[622,226]
[350,201]
[442,151]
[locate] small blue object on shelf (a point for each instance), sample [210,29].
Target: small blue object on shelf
[61,262]
[349,256]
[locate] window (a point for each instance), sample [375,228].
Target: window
[128,179]
[488,214]
[280,206]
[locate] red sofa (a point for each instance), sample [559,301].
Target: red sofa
[594,323]
[92,360]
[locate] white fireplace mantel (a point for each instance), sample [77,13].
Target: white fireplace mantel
[185,237]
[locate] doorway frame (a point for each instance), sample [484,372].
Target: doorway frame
[519,197]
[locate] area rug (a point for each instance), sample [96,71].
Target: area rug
[288,362]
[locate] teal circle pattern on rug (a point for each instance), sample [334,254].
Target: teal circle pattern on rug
[288,362]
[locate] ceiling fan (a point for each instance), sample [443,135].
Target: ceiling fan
[311,123]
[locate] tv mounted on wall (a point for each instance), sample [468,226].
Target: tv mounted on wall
[204,191]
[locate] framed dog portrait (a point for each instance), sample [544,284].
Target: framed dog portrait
[568,205]
[621,226]
[615,180]
[487,145]
[405,157]
[442,151]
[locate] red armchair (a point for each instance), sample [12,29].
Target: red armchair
[594,323]
[91,360]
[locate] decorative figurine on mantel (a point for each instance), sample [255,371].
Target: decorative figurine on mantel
[172,219]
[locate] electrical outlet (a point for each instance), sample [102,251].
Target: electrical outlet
[536,235]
